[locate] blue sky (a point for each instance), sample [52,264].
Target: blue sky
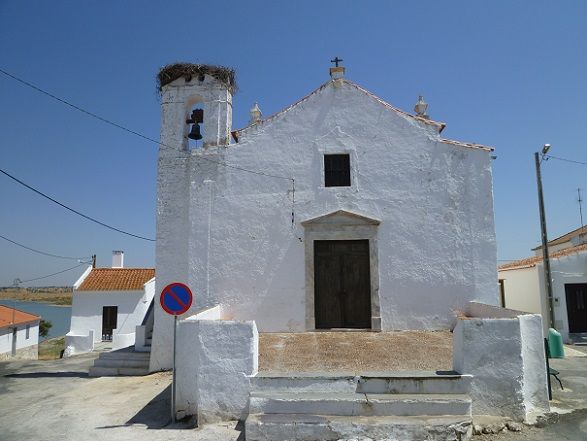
[505,74]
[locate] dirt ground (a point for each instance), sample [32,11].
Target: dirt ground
[355,352]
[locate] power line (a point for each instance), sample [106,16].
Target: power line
[126,129]
[72,210]
[564,159]
[42,252]
[50,275]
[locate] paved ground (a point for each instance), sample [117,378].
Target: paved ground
[354,353]
[56,400]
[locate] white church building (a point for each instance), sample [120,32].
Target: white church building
[339,212]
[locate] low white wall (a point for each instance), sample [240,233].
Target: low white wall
[141,339]
[214,366]
[120,341]
[535,376]
[78,344]
[491,350]
[504,351]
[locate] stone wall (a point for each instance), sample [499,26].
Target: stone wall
[214,366]
[504,351]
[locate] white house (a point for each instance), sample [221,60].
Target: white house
[19,334]
[108,304]
[524,285]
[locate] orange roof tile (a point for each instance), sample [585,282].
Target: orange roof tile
[11,316]
[116,279]
[532,261]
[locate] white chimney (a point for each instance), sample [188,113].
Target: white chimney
[117,259]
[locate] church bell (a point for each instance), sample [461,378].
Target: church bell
[195,132]
[196,118]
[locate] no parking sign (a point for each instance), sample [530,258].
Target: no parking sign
[176,298]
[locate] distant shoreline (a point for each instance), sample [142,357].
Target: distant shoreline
[55,298]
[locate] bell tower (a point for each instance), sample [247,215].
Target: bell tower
[196,103]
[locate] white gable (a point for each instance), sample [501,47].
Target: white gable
[245,240]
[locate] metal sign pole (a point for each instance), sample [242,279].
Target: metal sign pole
[173,381]
[176,299]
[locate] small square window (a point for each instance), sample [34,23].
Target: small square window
[337,170]
[28,331]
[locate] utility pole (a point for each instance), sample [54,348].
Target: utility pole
[545,256]
[580,201]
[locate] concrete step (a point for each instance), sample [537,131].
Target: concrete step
[305,427]
[125,354]
[392,382]
[416,383]
[118,363]
[100,371]
[358,404]
[304,383]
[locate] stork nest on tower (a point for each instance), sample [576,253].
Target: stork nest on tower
[174,71]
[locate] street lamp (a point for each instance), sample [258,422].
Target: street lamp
[538,158]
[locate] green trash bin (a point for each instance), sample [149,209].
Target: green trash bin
[555,344]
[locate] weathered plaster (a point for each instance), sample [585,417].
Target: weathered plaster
[228,234]
[504,351]
[214,367]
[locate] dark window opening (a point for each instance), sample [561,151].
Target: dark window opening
[337,170]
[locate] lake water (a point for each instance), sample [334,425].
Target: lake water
[59,316]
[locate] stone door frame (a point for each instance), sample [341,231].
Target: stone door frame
[341,225]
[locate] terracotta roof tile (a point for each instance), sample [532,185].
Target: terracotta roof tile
[116,279]
[10,316]
[532,261]
[565,237]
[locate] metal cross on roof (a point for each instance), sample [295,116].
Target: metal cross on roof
[336,61]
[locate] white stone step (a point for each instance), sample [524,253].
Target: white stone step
[117,363]
[393,382]
[279,427]
[125,354]
[99,371]
[357,404]
[304,383]
[416,383]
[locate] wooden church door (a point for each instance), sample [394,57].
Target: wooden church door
[342,284]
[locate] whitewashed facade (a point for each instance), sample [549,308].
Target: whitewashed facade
[524,284]
[423,202]
[19,335]
[123,293]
